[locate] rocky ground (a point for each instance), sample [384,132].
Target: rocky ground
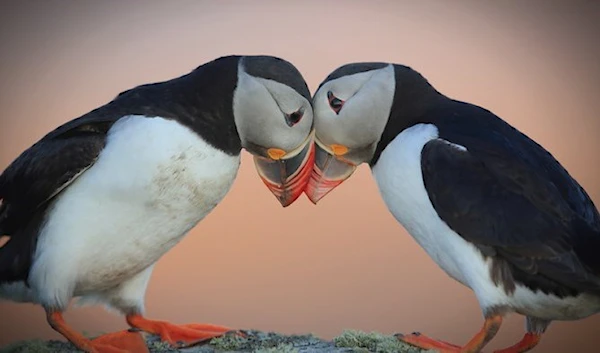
[254,341]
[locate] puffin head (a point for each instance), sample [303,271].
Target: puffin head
[352,107]
[360,108]
[274,119]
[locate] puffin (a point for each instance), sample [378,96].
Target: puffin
[493,208]
[88,209]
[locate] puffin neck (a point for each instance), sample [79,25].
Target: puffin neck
[414,97]
[202,100]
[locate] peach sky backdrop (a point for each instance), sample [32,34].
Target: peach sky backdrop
[346,263]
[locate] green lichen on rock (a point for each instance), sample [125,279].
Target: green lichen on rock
[373,342]
[36,346]
[250,342]
[228,342]
[281,348]
[264,342]
[159,346]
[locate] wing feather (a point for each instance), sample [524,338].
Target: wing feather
[513,200]
[35,178]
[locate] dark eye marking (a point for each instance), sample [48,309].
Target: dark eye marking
[334,102]
[294,118]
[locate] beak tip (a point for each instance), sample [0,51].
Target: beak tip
[314,198]
[313,193]
[285,199]
[286,202]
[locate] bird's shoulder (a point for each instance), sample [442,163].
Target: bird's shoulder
[48,166]
[517,161]
[508,195]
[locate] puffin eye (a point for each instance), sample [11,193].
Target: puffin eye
[293,118]
[334,102]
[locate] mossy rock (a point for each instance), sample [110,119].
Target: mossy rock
[250,342]
[38,346]
[373,342]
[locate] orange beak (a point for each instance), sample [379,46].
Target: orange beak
[329,171]
[287,174]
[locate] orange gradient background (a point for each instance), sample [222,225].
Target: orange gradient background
[345,263]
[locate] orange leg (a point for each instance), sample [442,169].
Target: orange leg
[118,342]
[177,335]
[476,344]
[527,343]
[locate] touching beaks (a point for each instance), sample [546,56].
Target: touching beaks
[329,170]
[286,174]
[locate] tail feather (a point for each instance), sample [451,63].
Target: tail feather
[17,292]
[586,244]
[15,259]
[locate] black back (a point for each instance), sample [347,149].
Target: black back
[351,69]
[276,69]
[506,194]
[201,100]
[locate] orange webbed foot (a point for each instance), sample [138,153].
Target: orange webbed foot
[527,343]
[488,331]
[117,342]
[419,340]
[120,342]
[178,335]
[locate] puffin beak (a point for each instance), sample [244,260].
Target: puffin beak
[286,174]
[330,170]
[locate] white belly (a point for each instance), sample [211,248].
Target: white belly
[400,181]
[152,183]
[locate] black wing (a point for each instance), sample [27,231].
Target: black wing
[48,167]
[36,177]
[515,202]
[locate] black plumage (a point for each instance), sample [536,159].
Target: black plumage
[352,69]
[512,199]
[272,68]
[494,209]
[30,183]
[506,194]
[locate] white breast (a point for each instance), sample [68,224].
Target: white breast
[399,178]
[400,181]
[152,183]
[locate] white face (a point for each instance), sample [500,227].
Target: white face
[260,107]
[367,98]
